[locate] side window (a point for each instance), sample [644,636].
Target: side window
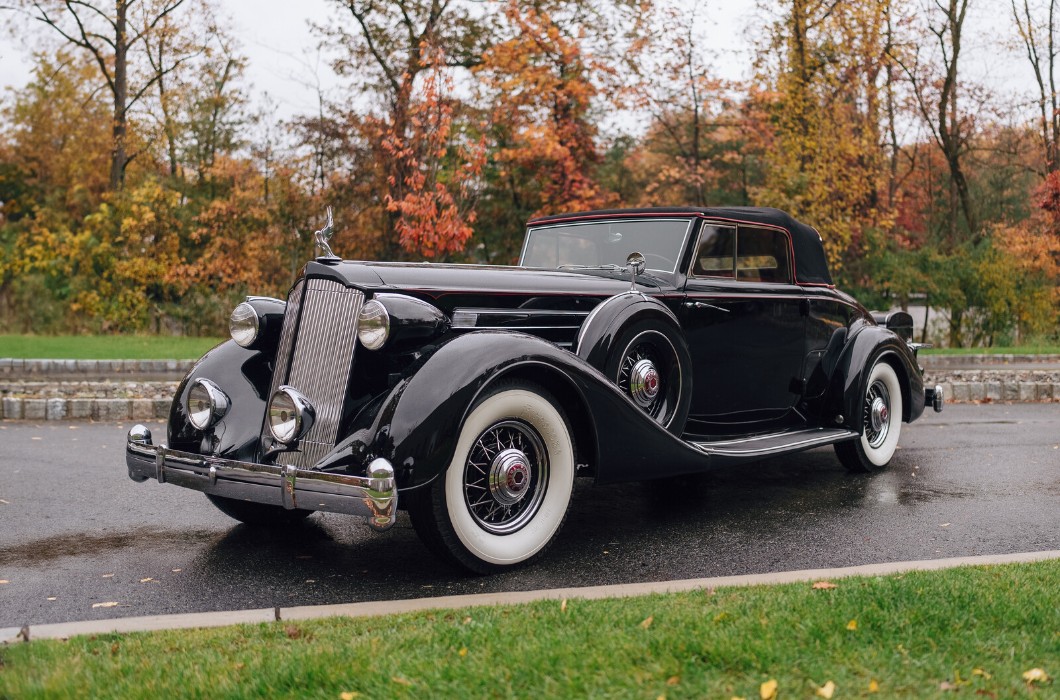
[714,257]
[763,255]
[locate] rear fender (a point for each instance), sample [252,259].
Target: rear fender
[868,344]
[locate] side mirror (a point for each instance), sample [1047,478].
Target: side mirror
[635,263]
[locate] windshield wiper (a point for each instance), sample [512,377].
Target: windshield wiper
[609,267]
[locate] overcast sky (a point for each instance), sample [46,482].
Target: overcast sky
[283,60]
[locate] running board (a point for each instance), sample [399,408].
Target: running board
[762,446]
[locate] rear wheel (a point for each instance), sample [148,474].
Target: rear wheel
[505,494]
[881,420]
[258,514]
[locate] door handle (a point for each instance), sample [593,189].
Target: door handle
[703,305]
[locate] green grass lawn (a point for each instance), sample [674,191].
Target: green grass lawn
[105,347]
[975,631]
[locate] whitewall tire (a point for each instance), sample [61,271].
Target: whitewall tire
[505,494]
[881,415]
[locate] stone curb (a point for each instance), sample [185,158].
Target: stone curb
[60,409]
[1019,392]
[948,361]
[372,609]
[15,368]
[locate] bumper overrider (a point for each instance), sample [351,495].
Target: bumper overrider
[373,496]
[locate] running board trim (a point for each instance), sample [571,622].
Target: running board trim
[776,443]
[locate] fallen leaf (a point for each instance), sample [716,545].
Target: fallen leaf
[874,687]
[824,585]
[53,598]
[981,672]
[467,620]
[292,632]
[852,625]
[176,571]
[108,576]
[826,690]
[3,581]
[146,580]
[401,681]
[110,604]
[463,651]
[647,622]
[349,695]
[946,685]
[673,680]
[6,503]
[563,606]
[737,697]
[768,690]
[944,525]
[1035,675]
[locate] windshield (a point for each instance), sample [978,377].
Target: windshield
[606,243]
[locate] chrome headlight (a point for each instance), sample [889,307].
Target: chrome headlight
[244,325]
[290,415]
[206,404]
[373,325]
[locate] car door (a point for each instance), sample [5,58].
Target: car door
[745,324]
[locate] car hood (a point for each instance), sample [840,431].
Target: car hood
[437,280]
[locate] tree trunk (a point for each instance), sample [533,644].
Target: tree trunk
[119,159]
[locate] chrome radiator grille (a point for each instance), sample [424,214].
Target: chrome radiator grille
[315,356]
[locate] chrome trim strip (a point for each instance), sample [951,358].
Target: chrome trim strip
[373,496]
[821,437]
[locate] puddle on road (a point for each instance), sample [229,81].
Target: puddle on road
[72,545]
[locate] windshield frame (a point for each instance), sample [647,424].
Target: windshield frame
[689,222]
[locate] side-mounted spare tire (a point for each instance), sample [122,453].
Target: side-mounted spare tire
[638,344]
[650,363]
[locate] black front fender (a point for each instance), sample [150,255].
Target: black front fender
[416,426]
[244,376]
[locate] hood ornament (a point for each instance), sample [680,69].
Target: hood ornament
[322,237]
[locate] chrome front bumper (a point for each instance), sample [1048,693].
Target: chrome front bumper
[373,497]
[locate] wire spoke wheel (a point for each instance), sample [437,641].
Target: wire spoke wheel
[505,476]
[877,413]
[649,372]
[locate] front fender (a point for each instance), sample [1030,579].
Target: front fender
[868,344]
[244,376]
[416,426]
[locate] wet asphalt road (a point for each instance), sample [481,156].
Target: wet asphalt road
[75,531]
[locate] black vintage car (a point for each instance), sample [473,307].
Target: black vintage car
[626,345]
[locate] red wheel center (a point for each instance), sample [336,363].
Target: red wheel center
[516,476]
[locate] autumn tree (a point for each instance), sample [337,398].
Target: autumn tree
[821,74]
[1037,34]
[381,47]
[113,36]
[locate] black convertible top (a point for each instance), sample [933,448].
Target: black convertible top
[811,266]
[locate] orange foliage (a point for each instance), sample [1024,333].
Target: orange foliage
[435,207]
[541,78]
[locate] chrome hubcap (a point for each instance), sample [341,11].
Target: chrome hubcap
[877,419]
[506,476]
[644,382]
[509,477]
